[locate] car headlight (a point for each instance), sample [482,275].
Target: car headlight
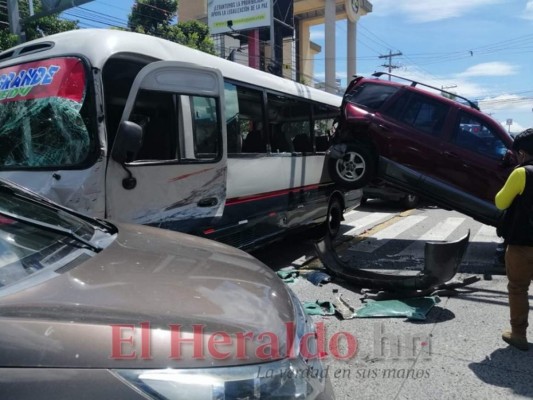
[289,378]
[285,379]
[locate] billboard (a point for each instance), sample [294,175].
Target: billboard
[227,15]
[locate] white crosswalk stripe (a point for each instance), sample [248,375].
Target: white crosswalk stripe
[413,231]
[382,237]
[486,234]
[440,232]
[368,221]
[443,229]
[482,244]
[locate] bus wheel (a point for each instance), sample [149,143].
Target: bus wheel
[334,218]
[354,169]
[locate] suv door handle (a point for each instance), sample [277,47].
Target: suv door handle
[449,154]
[455,156]
[208,202]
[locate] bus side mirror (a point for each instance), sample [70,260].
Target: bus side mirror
[128,142]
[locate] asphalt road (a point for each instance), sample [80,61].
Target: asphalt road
[455,353]
[382,235]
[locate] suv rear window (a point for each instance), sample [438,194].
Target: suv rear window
[370,95]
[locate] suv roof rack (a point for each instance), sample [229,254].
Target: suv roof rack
[414,83]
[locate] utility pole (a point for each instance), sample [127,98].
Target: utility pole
[448,87]
[444,91]
[16,24]
[389,66]
[13,17]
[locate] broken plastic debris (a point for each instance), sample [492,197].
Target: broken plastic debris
[318,308]
[288,275]
[345,310]
[413,308]
[318,278]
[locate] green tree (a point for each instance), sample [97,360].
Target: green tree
[150,16]
[42,27]
[155,17]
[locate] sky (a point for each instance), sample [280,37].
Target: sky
[480,49]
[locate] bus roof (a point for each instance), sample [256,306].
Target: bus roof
[98,45]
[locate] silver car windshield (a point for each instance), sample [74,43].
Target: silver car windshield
[35,236]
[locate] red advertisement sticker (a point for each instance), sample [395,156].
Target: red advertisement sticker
[57,77]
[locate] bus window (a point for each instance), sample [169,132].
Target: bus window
[205,128]
[251,120]
[233,126]
[290,121]
[155,112]
[158,113]
[323,117]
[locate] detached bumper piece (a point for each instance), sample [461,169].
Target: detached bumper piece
[441,262]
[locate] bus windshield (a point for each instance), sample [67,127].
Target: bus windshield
[42,121]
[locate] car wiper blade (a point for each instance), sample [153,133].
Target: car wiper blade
[28,195]
[53,228]
[108,226]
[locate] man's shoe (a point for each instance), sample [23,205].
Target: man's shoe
[520,342]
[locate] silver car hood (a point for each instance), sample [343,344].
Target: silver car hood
[168,283]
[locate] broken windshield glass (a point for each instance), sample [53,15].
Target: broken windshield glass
[41,122]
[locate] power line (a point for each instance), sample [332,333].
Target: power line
[90,18]
[389,65]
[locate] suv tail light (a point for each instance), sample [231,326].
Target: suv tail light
[352,113]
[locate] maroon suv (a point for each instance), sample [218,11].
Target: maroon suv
[413,137]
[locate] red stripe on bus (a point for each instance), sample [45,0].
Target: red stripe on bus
[177,178]
[268,195]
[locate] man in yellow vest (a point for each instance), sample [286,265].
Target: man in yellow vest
[516,197]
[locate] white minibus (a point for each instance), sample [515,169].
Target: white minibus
[139,129]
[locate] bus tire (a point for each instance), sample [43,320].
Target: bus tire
[334,217]
[332,224]
[355,169]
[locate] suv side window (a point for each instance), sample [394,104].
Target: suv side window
[369,95]
[474,135]
[423,113]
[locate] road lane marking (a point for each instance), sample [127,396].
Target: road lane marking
[390,232]
[365,222]
[486,234]
[439,232]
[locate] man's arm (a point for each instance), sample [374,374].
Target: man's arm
[515,184]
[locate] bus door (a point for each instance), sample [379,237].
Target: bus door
[175,179]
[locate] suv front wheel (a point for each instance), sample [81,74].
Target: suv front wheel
[355,169]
